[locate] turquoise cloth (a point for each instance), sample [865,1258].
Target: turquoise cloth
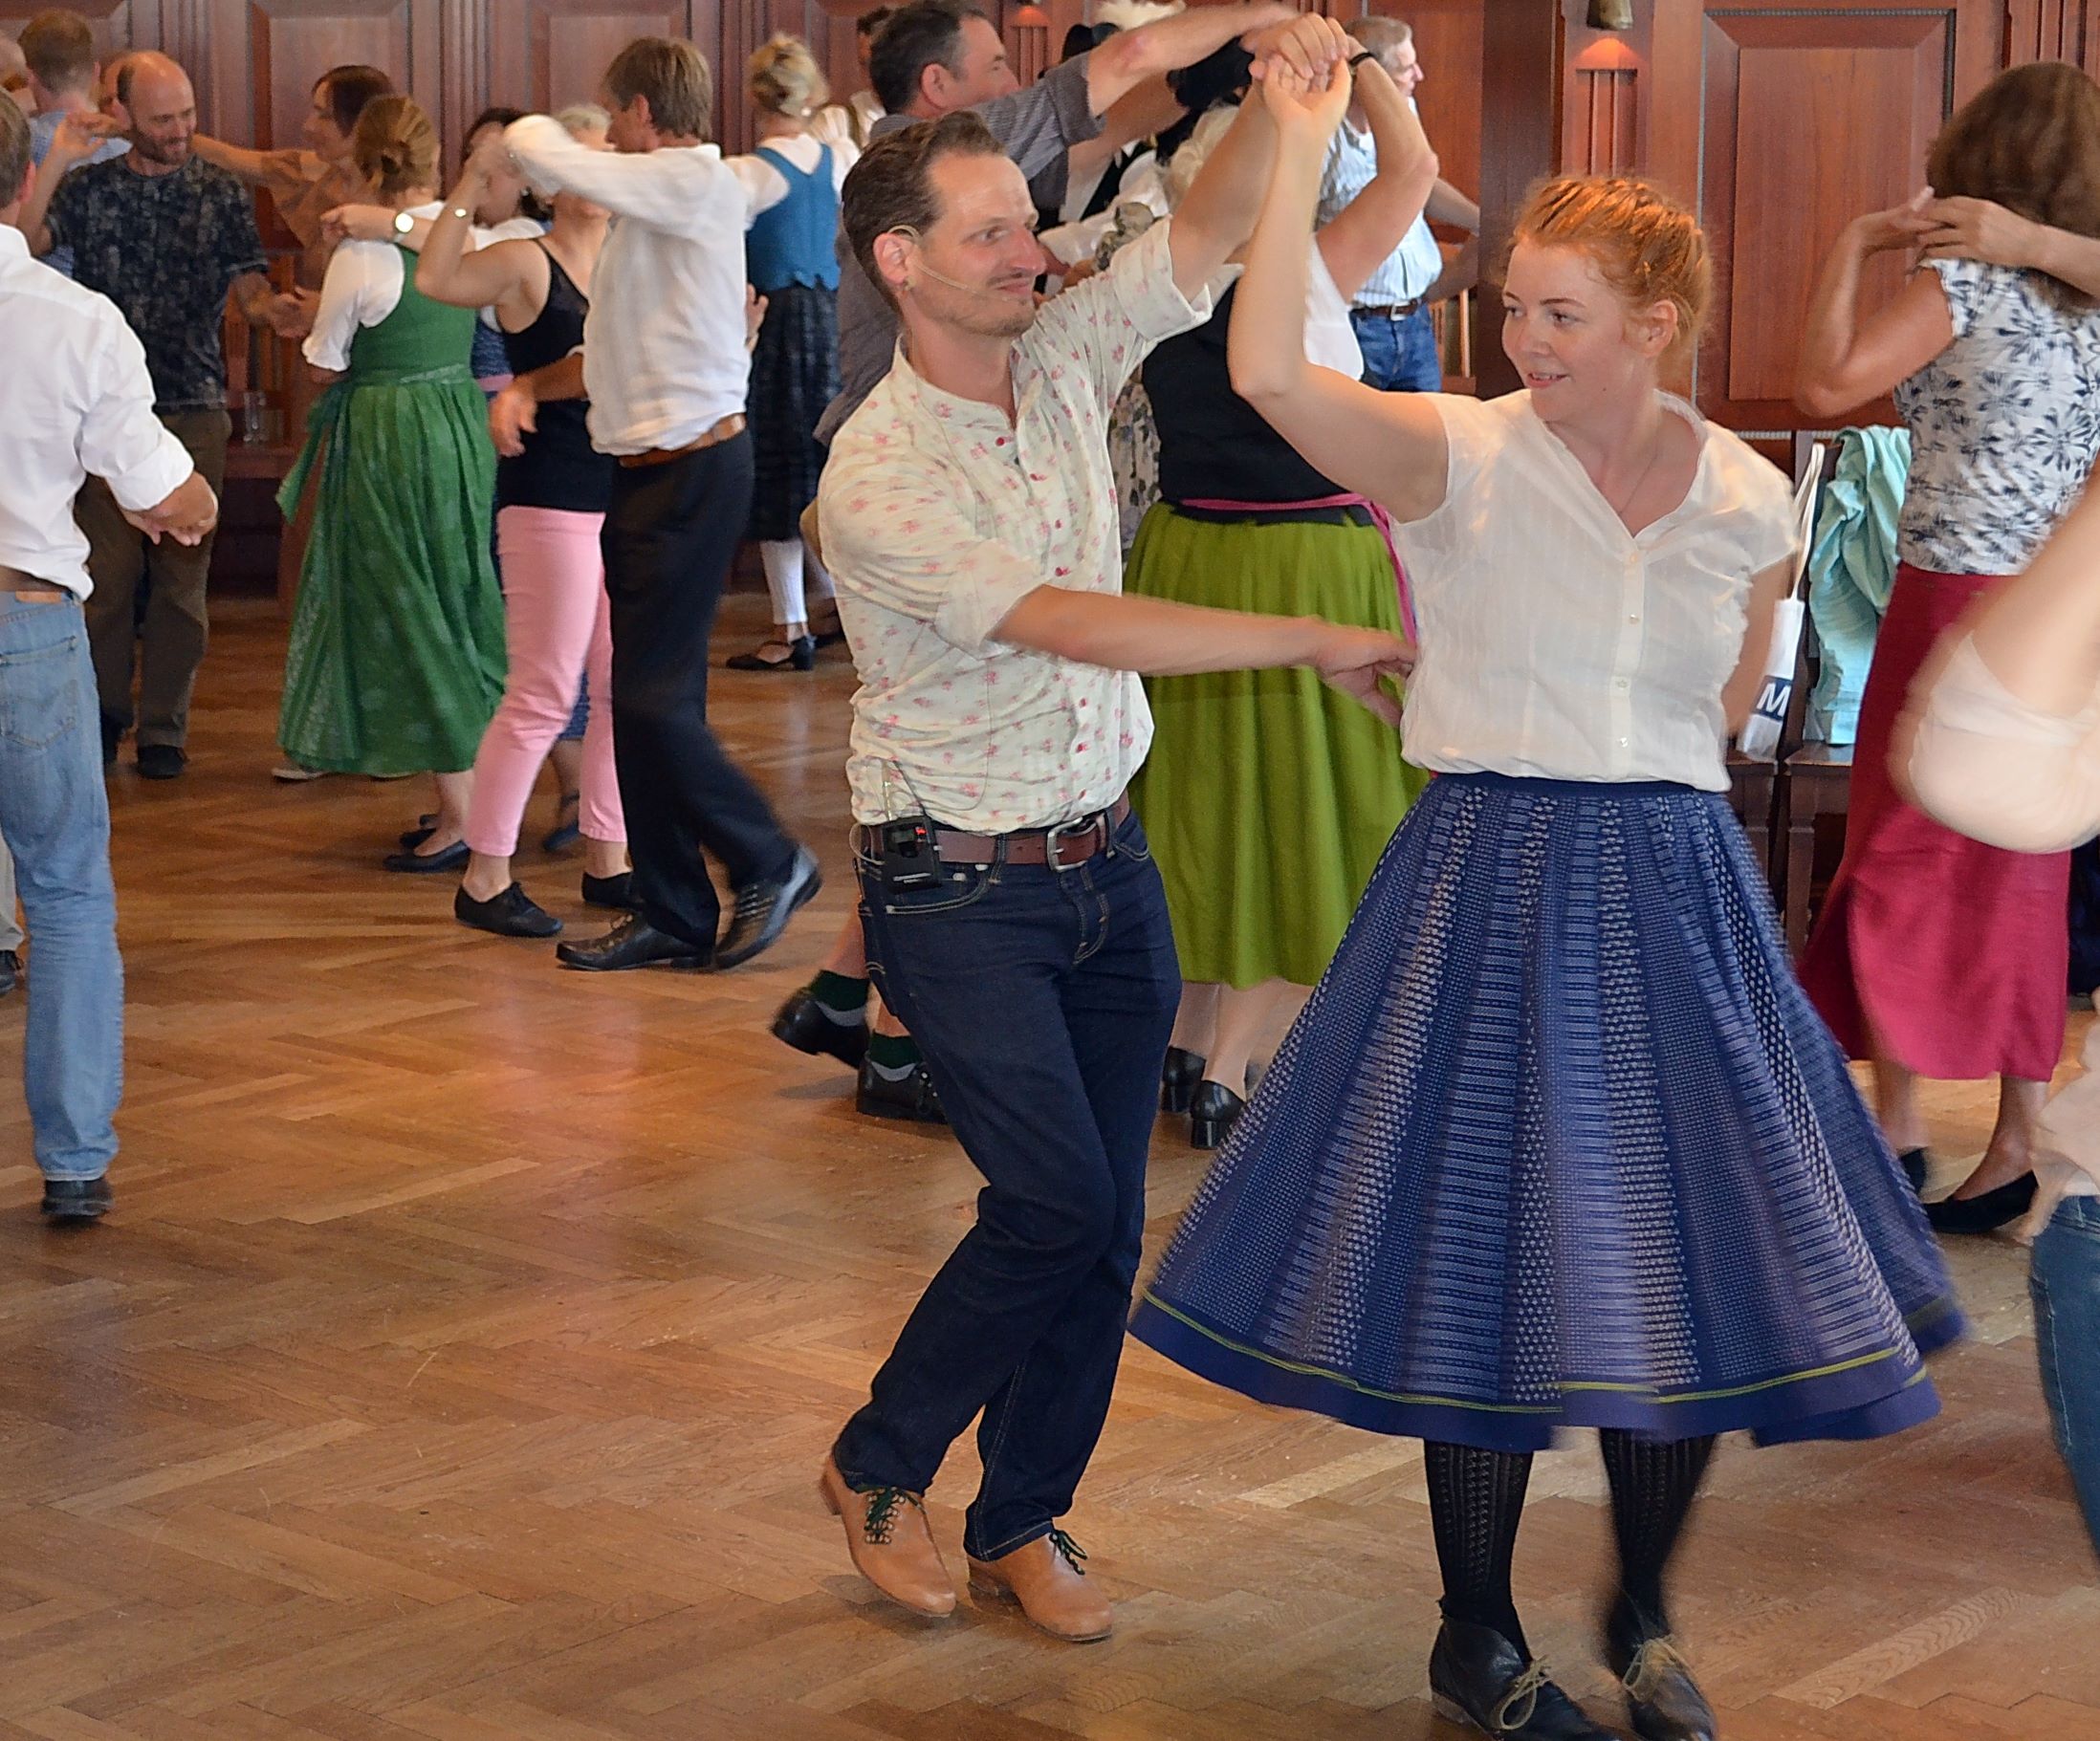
[1851,566]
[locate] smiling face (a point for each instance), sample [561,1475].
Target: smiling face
[975,266]
[1575,340]
[980,73]
[164,114]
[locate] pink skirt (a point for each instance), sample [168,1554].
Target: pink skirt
[1950,957]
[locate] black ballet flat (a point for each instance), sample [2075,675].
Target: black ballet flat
[413,838]
[1178,1078]
[1917,1164]
[1985,1213]
[1481,1681]
[425,864]
[1212,1112]
[802,657]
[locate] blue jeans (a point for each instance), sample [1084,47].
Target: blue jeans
[55,816]
[1042,1000]
[2065,1281]
[1399,356]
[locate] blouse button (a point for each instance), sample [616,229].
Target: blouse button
[1633,616]
[1622,683]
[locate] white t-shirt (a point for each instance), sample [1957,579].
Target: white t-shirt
[1556,644]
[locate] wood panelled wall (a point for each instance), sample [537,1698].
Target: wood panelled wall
[1780,118]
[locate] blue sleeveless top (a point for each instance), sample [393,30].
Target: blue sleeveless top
[793,242]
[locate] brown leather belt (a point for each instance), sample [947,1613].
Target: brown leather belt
[1393,311]
[727,429]
[1068,844]
[30,586]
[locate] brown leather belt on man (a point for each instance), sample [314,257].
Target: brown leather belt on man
[30,586]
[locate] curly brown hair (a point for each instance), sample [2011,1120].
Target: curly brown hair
[2029,140]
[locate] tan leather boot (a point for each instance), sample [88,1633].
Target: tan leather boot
[1045,1579]
[887,1534]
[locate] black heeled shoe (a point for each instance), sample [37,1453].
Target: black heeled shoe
[1212,1112]
[1480,1680]
[1985,1213]
[1178,1078]
[802,656]
[1917,1164]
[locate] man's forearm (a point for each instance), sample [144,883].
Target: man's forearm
[562,378]
[254,295]
[1447,206]
[35,209]
[1157,637]
[1461,272]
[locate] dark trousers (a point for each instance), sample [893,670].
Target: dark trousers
[1399,356]
[120,559]
[670,534]
[1042,1000]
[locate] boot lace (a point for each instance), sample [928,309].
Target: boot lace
[1521,1702]
[1071,1550]
[881,1524]
[1656,1659]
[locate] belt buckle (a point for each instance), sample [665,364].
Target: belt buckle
[1054,838]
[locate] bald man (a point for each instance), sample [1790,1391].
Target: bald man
[165,237]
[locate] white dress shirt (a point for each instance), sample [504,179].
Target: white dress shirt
[78,401]
[939,516]
[664,358]
[1556,644]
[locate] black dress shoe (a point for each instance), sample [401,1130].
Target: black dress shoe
[803,1024]
[1212,1112]
[802,656]
[1916,1162]
[616,892]
[1178,1078]
[10,971]
[452,858]
[514,913]
[1662,1703]
[633,943]
[764,908]
[160,762]
[113,734]
[909,1097]
[76,1200]
[1480,1680]
[1985,1213]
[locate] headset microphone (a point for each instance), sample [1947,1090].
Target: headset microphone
[940,277]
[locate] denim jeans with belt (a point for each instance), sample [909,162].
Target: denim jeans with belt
[55,816]
[1042,1000]
[1399,356]
[2065,1281]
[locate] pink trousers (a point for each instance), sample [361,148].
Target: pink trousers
[557,626]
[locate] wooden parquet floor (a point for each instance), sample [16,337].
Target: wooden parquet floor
[459,1358]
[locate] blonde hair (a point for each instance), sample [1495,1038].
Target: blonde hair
[581,117]
[395,146]
[1647,246]
[785,78]
[1194,151]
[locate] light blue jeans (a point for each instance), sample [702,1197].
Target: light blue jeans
[55,816]
[2065,1281]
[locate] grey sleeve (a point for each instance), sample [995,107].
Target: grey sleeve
[867,341]
[1038,125]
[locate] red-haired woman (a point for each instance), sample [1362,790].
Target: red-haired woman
[1558,1141]
[1938,956]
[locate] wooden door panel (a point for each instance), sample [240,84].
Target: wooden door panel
[544,55]
[1787,165]
[118,24]
[2053,29]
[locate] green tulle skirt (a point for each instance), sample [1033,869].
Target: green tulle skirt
[396,660]
[1268,796]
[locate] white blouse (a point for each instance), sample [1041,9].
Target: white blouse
[364,285]
[1556,644]
[765,186]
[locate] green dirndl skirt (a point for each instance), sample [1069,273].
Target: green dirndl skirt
[1267,796]
[396,660]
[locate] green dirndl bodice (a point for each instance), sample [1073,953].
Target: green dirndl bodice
[396,660]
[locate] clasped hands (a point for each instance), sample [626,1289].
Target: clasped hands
[1303,67]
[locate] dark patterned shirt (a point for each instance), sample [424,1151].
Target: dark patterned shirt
[166,250]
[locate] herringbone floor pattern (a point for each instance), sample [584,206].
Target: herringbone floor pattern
[459,1358]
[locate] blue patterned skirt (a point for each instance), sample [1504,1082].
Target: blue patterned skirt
[1558,1142]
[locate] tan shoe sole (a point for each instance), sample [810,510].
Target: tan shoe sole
[986,1589]
[831,1505]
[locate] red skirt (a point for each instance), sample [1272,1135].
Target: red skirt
[1950,957]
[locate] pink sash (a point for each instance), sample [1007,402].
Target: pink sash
[1380,518]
